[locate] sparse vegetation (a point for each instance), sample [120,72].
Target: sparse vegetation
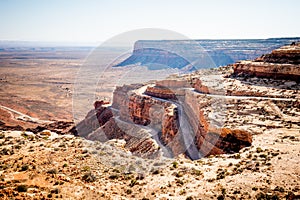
[22,188]
[85,168]
[52,171]
[89,177]
[113,176]
[175,164]
[128,191]
[155,171]
[24,168]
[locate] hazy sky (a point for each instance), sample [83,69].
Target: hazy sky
[98,20]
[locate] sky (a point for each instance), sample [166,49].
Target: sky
[99,20]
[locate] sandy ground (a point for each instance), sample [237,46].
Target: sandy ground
[47,165]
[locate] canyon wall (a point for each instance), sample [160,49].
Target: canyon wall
[206,53]
[282,63]
[193,114]
[148,115]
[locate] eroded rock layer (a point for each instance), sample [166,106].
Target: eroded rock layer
[179,123]
[282,63]
[207,112]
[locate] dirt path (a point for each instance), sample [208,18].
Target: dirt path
[23,117]
[243,97]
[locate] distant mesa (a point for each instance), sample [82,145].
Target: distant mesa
[181,54]
[155,59]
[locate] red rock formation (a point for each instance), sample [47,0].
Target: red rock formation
[285,55]
[100,125]
[103,113]
[282,63]
[268,70]
[172,84]
[139,108]
[159,115]
[198,85]
[160,92]
[209,138]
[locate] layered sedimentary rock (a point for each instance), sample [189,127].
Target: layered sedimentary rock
[207,53]
[282,63]
[176,118]
[162,57]
[200,87]
[101,125]
[198,114]
[160,92]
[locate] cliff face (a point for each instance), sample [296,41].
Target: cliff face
[102,125]
[147,56]
[176,118]
[207,53]
[282,63]
[204,113]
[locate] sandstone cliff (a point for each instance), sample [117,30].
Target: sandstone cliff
[207,112]
[208,53]
[282,63]
[176,118]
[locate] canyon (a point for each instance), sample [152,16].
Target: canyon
[207,112]
[214,133]
[146,140]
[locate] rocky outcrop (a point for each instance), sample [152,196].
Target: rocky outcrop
[282,63]
[160,116]
[284,55]
[174,83]
[200,87]
[224,140]
[268,70]
[185,115]
[212,138]
[147,109]
[149,116]
[160,92]
[101,125]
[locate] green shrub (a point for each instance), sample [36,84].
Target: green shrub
[196,172]
[175,164]
[179,174]
[86,168]
[133,183]
[128,191]
[179,182]
[259,150]
[55,191]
